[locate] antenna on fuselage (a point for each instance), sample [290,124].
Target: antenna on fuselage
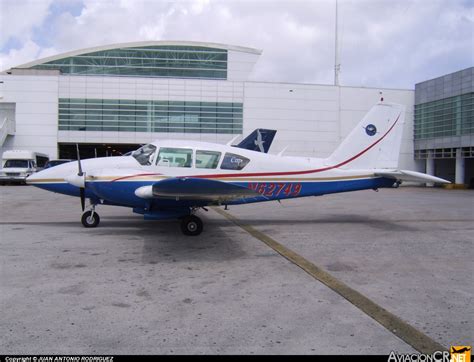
[337,65]
[281,152]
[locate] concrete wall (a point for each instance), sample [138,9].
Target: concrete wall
[311,119]
[240,65]
[36,112]
[446,86]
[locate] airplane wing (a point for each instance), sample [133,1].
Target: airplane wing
[405,175]
[259,140]
[193,188]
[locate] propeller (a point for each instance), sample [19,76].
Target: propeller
[82,190]
[79,180]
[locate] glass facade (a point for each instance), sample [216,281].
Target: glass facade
[466,152]
[149,116]
[453,116]
[151,61]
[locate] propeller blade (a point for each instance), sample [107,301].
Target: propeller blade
[82,192]
[80,173]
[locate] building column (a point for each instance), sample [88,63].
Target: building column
[430,167]
[459,167]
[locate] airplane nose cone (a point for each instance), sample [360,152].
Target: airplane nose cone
[53,174]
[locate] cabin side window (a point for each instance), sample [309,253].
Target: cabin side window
[175,157]
[232,161]
[207,159]
[144,155]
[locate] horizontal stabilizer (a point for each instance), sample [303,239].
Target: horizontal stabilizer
[259,140]
[195,189]
[405,175]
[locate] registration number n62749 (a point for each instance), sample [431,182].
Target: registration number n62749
[272,189]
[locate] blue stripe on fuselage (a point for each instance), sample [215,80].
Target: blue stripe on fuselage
[123,193]
[318,188]
[63,188]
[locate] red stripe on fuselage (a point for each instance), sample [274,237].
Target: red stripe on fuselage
[275,173]
[302,172]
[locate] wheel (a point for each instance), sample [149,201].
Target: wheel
[191,225]
[89,220]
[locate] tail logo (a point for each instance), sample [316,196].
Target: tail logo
[370,129]
[259,142]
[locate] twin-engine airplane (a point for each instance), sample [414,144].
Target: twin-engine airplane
[173,179]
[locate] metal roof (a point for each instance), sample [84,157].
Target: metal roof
[140,44]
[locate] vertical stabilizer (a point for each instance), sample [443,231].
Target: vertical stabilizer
[374,142]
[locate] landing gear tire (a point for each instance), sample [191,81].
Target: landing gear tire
[191,225]
[90,219]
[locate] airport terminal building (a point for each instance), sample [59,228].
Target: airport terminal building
[113,98]
[444,126]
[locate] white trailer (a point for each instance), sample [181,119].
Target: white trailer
[17,165]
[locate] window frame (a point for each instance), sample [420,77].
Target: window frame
[234,154]
[219,160]
[152,161]
[193,158]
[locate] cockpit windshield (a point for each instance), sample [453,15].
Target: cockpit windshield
[144,155]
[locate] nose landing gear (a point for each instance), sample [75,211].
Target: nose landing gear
[90,219]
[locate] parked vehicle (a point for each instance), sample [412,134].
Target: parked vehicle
[19,164]
[52,163]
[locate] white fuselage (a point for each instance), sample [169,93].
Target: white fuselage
[262,167]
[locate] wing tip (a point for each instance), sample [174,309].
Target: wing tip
[411,176]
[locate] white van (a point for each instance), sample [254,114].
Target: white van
[19,164]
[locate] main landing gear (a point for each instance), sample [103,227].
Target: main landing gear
[90,219]
[191,225]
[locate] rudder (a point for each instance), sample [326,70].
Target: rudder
[374,142]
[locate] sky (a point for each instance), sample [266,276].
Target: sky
[382,43]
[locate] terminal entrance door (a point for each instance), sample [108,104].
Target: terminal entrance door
[91,150]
